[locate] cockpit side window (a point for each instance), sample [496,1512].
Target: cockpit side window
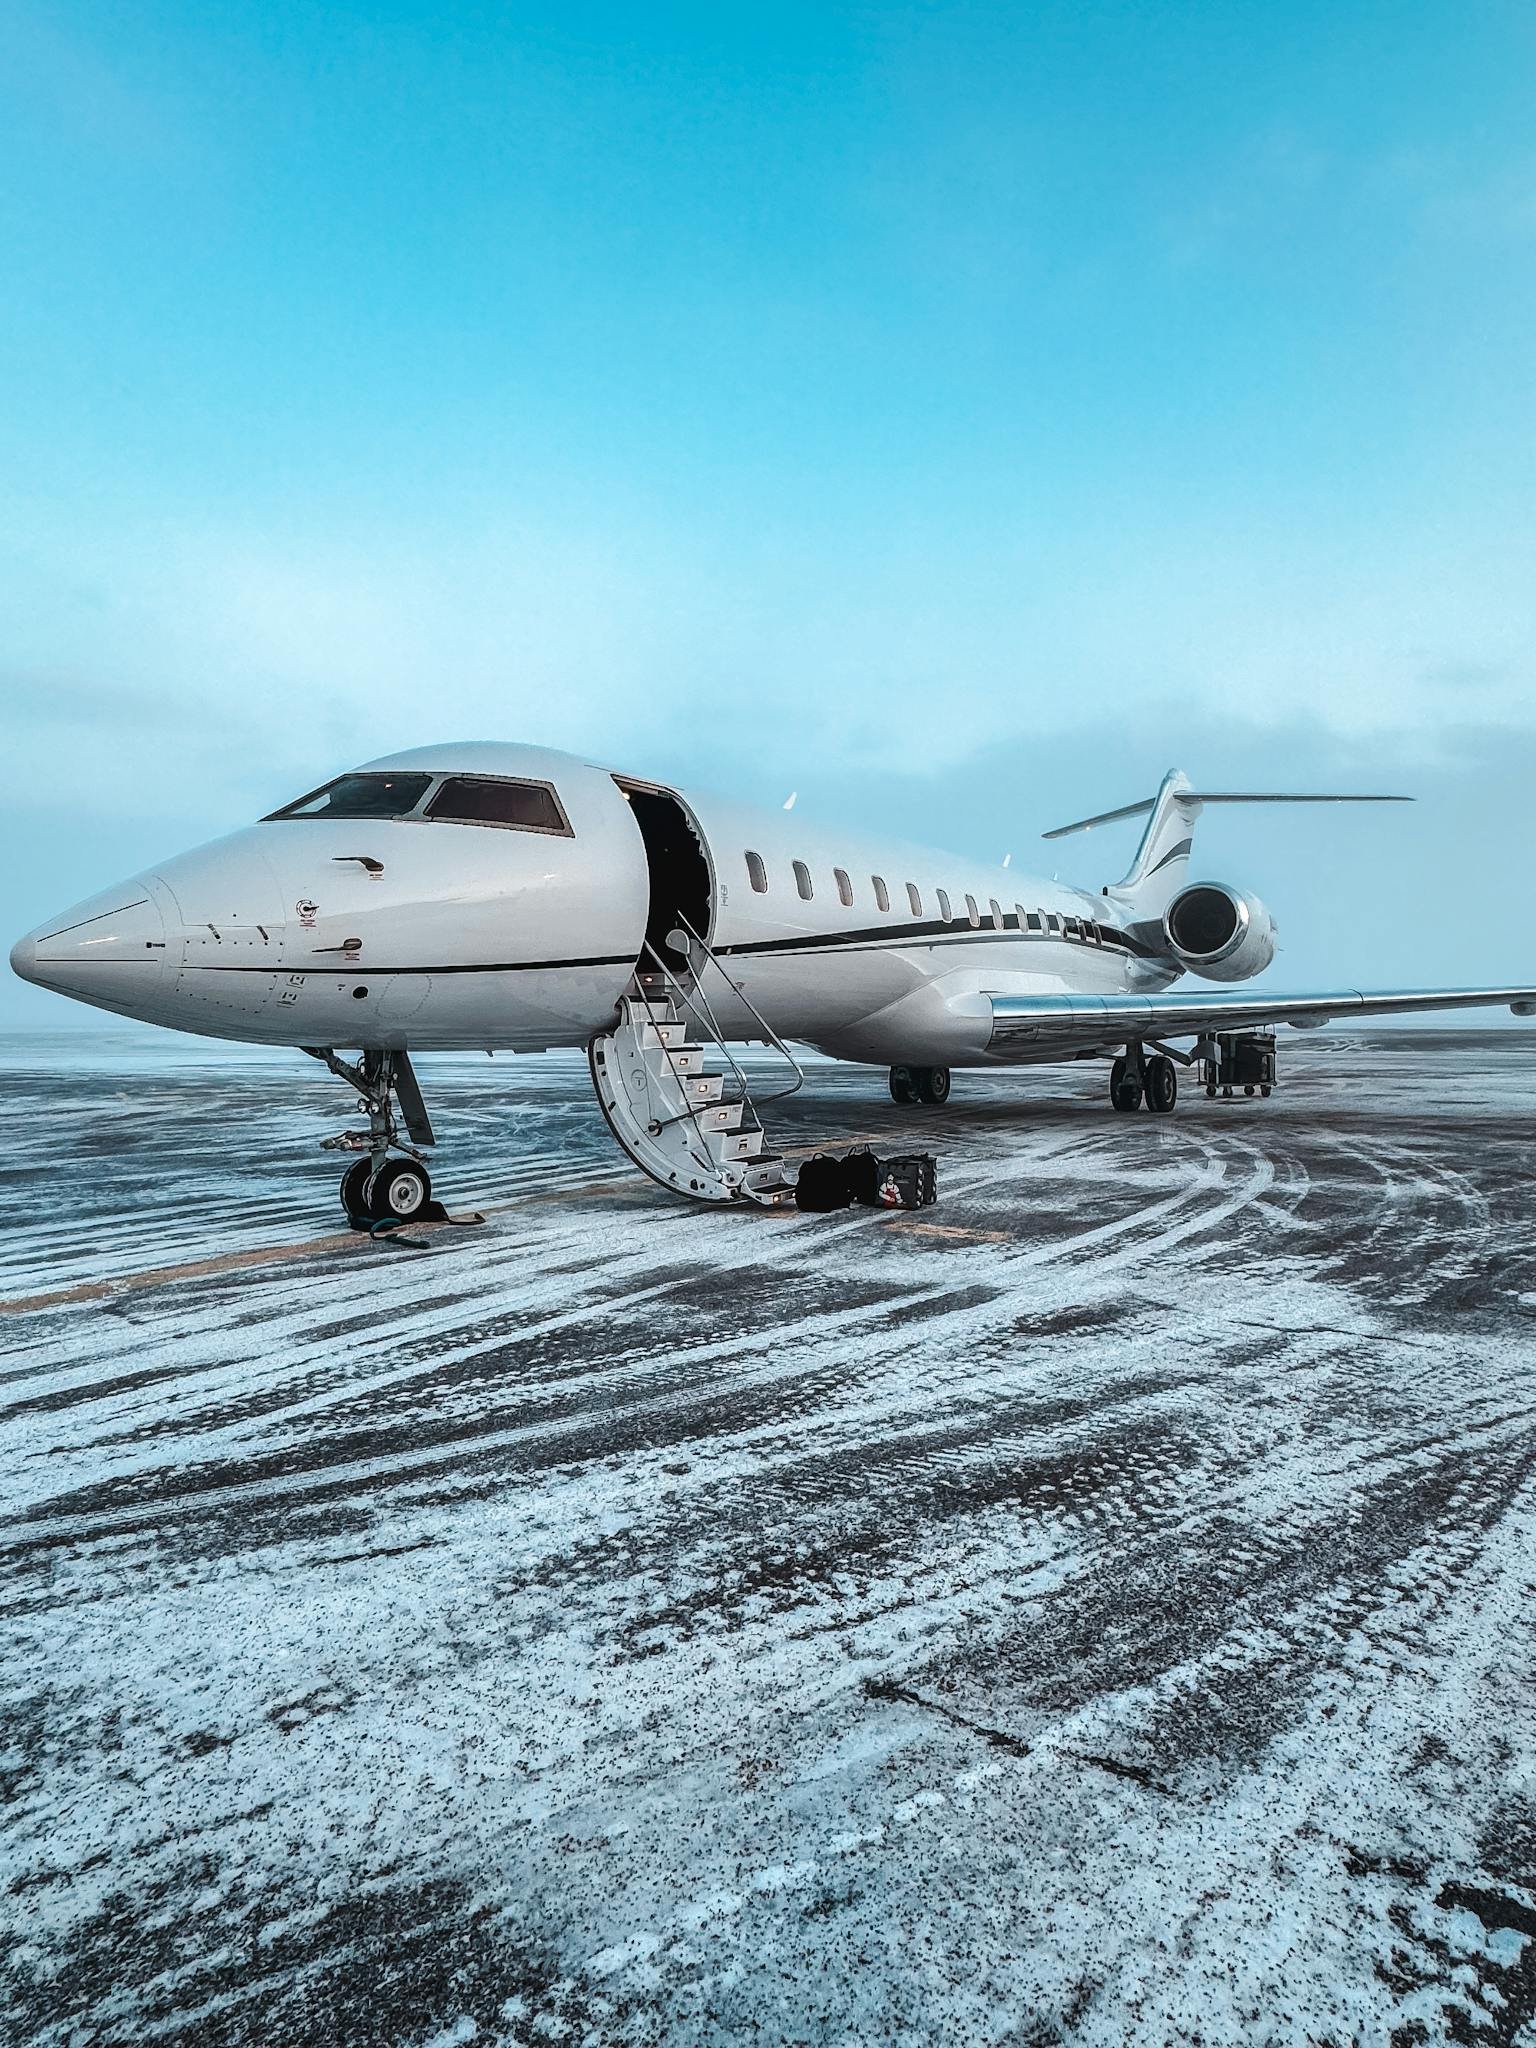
[358,796]
[498,800]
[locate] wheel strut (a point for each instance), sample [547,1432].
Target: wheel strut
[375,1186]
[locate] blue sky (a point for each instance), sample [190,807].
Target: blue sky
[957,413]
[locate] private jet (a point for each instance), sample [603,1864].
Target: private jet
[511,898]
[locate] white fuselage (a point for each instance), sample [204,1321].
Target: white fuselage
[416,933]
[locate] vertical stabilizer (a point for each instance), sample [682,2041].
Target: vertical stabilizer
[1161,865]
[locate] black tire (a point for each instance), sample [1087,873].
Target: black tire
[932,1084]
[904,1085]
[401,1190]
[354,1187]
[1265,1091]
[1210,1089]
[1162,1084]
[1124,1085]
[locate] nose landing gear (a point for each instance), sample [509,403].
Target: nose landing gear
[376,1188]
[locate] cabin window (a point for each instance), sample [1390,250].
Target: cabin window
[1052,921]
[757,873]
[803,881]
[498,800]
[358,796]
[882,894]
[1018,915]
[971,911]
[1034,921]
[844,887]
[944,910]
[914,899]
[997,914]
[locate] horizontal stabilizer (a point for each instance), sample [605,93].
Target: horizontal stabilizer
[1223,796]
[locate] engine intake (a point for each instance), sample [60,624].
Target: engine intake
[1219,933]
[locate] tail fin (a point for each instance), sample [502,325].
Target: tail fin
[1157,873]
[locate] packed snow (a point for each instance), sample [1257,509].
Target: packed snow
[1095,1610]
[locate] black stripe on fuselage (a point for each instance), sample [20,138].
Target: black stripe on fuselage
[882,935]
[876,939]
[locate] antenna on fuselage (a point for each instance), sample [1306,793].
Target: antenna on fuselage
[789,801]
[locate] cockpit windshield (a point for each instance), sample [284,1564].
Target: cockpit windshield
[359,796]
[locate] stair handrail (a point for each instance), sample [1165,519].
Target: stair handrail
[704,1016]
[770,1036]
[691,1111]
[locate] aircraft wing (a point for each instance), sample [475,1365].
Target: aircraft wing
[1028,1025]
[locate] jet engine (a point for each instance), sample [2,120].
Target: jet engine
[1219,933]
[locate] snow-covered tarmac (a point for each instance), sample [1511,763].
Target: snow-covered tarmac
[1097,1610]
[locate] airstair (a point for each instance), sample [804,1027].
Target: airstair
[675,1098]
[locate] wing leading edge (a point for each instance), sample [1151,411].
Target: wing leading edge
[1032,1024]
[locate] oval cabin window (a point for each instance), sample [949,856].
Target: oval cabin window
[997,914]
[803,881]
[944,910]
[971,911]
[915,899]
[844,887]
[882,894]
[757,874]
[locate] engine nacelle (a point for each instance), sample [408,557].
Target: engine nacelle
[1219,933]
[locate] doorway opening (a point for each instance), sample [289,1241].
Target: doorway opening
[679,871]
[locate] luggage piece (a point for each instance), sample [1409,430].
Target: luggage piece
[864,1176]
[910,1181]
[827,1182]
[822,1184]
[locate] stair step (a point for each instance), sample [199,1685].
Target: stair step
[737,1144]
[704,1087]
[670,1031]
[721,1116]
[764,1183]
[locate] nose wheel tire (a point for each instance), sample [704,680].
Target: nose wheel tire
[354,1188]
[401,1189]
[1162,1084]
[903,1085]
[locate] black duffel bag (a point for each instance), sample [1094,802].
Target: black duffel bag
[823,1183]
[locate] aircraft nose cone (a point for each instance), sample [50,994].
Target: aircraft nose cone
[24,958]
[109,950]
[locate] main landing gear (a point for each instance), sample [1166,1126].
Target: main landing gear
[1134,1079]
[919,1084]
[377,1188]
